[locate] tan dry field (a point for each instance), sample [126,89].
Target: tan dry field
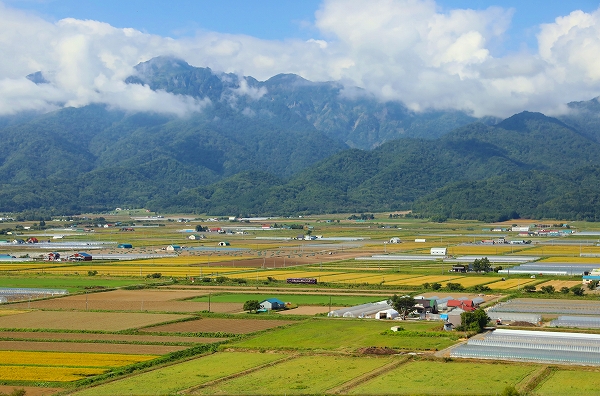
[213,325]
[557,284]
[98,321]
[30,390]
[91,347]
[306,310]
[44,335]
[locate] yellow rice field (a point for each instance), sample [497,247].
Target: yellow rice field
[143,270]
[12,312]
[511,284]
[574,260]
[39,374]
[73,359]
[426,279]
[562,250]
[387,278]
[20,266]
[472,281]
[483,249]
[343,278]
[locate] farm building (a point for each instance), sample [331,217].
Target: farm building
[423,305]
[465,305]
[173,248]
[387,314]
[81,256]
[223,243]
[195,237]
[438,251]
[125,246]
[272,304]
[52,256]
[395,240]
[594,275]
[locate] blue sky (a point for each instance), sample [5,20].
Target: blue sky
[485,57]
[272,19]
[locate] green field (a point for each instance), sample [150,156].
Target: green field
[71,283]
[303,375]
[349,334]
[172,379]
[569,382]
[450,378]
[299,299]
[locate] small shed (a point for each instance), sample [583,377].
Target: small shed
[195,237]
[125,246]
[223,243]
[172,248]
[395,240]
[438,251]
[272,304]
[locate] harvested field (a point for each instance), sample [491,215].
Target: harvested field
[306,310]
[212,325]
[42,335]
[89,347]
[426,279]
[11,312]
[557,284]
[106,321]
[30,390]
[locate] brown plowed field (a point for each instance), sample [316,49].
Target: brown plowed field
[210,325]
[92,347]
[42,335]
[29,390]
[107,321]
[66,303]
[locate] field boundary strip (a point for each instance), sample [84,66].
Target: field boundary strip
[536,378]
[238,374]
[346,386]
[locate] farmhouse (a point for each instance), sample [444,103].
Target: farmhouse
[52,256]
[81,256]
[594,275]
[465,305]
[272,304]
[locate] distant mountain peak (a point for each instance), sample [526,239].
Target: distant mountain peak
[37,78]
[518,122]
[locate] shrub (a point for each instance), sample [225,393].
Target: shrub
[577,290]
[564,290]
[92,273]
[155,275]
[547,289]
[221,279]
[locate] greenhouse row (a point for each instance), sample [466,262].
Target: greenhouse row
[533,346]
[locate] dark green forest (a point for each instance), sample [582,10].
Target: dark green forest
[298,147]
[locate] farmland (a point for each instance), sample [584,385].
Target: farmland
[151,315]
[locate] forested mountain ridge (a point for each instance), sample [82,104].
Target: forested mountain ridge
[289,146]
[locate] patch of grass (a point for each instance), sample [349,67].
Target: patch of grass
[569,382]
[303,375]
[171,379]
[71,283]
[446,378]
[300,299]
[344,334]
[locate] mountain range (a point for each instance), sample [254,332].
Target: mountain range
[291,146]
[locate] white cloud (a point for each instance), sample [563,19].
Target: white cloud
[406,50]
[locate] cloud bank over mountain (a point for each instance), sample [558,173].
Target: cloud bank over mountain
[401,50]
